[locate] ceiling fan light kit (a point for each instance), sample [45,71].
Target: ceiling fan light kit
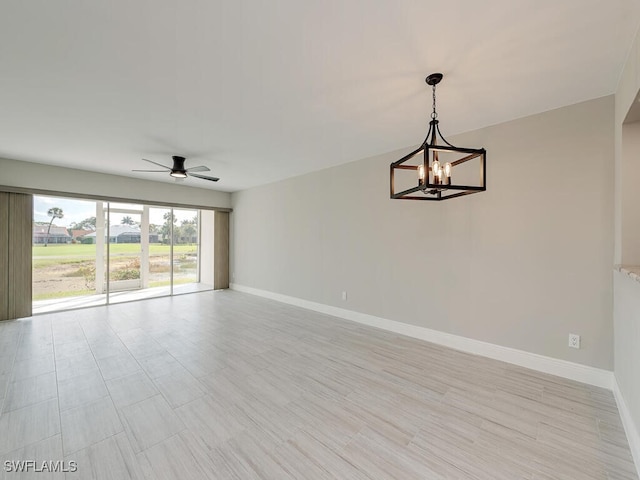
[437,169]
[178,171]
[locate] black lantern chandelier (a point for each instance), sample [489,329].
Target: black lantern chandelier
[437,170]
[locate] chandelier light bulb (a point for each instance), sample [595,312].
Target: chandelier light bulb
[447,173]
[421,175]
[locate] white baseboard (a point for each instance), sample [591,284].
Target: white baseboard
[541,363]
[633,435]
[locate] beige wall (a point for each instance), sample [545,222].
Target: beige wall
[45,177]
[521,265]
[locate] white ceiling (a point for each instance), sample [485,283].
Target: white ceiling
[263,90]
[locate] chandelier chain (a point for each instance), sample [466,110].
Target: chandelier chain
[434,114]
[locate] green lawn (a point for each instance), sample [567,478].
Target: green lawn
[54,295]
[67,270]
[82,293]
[43,262]
[80,250]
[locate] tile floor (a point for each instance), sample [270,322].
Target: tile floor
[226,385]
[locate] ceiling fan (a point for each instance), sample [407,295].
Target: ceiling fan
[178,170]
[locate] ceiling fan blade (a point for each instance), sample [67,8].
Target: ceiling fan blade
[213,179]
[156,163]
[201,168]
[159,171]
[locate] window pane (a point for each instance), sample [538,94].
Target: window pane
[186,234]
[125,254]
[159,265]
[64,254]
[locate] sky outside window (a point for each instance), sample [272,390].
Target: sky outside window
[77,210]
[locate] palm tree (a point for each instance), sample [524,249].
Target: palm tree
[54,213]
[127,220]
[86,224]
[165,230]
[189,230]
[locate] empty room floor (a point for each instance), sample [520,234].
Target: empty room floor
[226,385]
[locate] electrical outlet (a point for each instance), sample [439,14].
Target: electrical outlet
[344,296]
[574,340]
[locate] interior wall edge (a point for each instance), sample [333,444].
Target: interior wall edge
[630,428]
[562,368]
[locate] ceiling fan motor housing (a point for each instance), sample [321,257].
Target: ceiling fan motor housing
[178,164]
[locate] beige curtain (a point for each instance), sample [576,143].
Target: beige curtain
[221,250]
[16,231]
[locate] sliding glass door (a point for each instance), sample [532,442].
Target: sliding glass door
[67,262]
[93,253]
